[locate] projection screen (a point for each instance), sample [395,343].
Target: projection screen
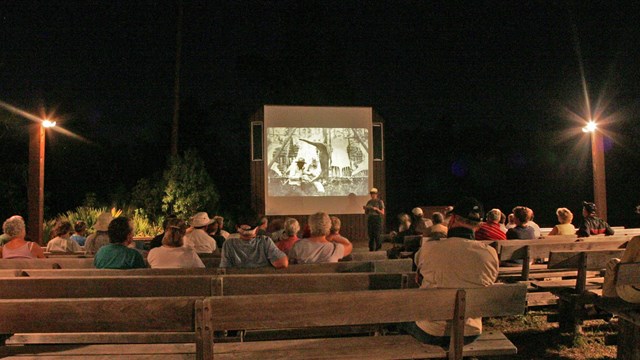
[317,159]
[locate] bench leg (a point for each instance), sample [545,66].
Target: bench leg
[628,340]
[569,317]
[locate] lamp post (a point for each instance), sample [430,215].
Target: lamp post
[597,160]
[35,190]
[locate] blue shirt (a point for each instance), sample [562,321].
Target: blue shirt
[257,252]
[79,239]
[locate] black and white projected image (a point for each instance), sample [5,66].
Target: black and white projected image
[305,161]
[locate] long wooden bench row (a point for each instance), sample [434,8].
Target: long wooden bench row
[202,316]
[64,264]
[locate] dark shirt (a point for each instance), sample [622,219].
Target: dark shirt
[156,241]
[461,232]
[593,225]
[521,233]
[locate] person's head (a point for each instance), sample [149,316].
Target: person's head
[494,215]
[520,215]
[467,212]
[120,231]
[80,227]
[14,227]
[174,232]
[437,217]
[300,162]
[511,218]
[564,216]
[166,221]
[200,220]
[404,219]
[531,214]
[374,193]
[264,223]
[247,227]
[335,225]
[319,224]
[102,224]
[503,218]
[588,209]
[417,212]
[62,229]
[291,227]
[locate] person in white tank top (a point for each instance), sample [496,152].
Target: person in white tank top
[17,247]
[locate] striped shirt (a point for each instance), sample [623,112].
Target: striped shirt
[490,231]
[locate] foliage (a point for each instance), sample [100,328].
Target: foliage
[189,188]
[143,226]
[147,194]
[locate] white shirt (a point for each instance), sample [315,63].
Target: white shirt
[59,244]
[200,241]
[174,257]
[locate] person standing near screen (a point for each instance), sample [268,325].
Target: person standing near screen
[374,210]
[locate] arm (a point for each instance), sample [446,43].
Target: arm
[348,247]
[37,251]
[608,231]
[553,231]
[281,263]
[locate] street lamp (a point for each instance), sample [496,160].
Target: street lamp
[35,190]
[597,159]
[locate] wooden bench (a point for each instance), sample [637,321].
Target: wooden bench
[159,321]
[367,255]
[576,297]
[357,308]
[628,313]
[53,263]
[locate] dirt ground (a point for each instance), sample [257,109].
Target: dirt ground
[535,338]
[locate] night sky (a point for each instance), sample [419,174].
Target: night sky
[476,96]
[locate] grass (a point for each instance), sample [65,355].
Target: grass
[535,338]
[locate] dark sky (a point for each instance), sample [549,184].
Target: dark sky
[474,94]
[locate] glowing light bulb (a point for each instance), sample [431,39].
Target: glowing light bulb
[48,123]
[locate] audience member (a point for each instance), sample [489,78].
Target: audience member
[62,242]
[503,221]
[455,262]
[565,227]
[290,235]
[217,227]
[172,254]
[276,229]
[157,240]
[438,230]
[405,222]
[592,225]
[251,250]
[198,239]
[262,227]
[419,223]
[531,223]
[521,231]
[374,211]
[318,248]
[490,229]
[101,237]
[17,247]
[628,293]
[117,254]
[80,237]
[511,222]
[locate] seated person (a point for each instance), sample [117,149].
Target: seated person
[490,229]
[318,248]
[157,240]
[198,239]
[250,250]
[290,235]
[16,247]
[565,227]
[81,232]
[531,223]
[522,231]
[592,225]
[101,237]
[627,293]
[62,242]
[117,254]
[172,254]
[438,230]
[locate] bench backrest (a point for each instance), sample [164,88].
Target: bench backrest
[368,255]
[280,311]
[390,265]
[589,259]
[519,249]
[168,286]
[628,274]
[53,263]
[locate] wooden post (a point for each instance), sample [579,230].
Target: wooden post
[526,264]
[35,190]
[456,344]
[599,178]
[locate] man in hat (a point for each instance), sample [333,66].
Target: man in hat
[101,237]
[198,239]
[374,210]
[457,261]
[419,223]
[592,225]
[250,250]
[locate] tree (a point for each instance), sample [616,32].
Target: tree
[189,187]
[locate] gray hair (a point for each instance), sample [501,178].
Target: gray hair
[319,224]
[494,215]
[336,224]
[13,226]
[437,218]
[291,226]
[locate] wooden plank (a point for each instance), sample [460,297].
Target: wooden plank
[56,263]
[10,272]
[346,266]
[541,298]
[516,249]
[129,351]
[595,259]
[237,312]
[369,255]
[99,315]
[101,338]
[571,283]
[628,274]
[113,272]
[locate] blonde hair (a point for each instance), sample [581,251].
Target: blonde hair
[319,224]
[291,226]
[565,216]
[174,233]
